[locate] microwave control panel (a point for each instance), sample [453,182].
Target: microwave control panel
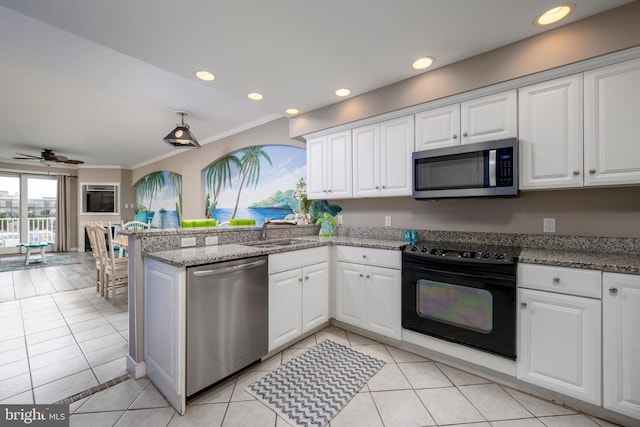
[505,167]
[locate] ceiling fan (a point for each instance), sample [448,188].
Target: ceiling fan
[48,156]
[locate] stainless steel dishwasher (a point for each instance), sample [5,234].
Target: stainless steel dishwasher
[227,319]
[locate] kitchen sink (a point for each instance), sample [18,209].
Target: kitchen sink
[278,244]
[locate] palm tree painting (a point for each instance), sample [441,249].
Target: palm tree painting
[254,183]
[160,192]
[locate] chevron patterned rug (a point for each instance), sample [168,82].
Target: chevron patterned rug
[312,388]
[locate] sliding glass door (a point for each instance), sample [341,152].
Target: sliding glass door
[27,210]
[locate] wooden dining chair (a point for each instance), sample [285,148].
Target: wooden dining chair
[116,270]
[97,257]
[136,225]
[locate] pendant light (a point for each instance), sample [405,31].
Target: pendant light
[181,137]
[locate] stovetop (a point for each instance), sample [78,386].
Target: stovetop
[464,252]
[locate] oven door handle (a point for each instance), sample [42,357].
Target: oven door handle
[466,276]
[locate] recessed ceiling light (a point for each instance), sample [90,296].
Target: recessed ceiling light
[255,96]
[204,75]
[555,14]
[292,111]
[342,92]
[422,63]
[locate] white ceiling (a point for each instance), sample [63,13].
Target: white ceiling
[99,80]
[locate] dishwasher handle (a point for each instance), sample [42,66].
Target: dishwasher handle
[225,270]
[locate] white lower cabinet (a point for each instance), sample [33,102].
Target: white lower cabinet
[621,343]
[298,293]
[368,289]
[559,335]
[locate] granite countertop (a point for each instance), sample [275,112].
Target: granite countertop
[189,257]
[610,262]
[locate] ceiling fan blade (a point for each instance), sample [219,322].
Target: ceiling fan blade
[73,162]
[29,156]
[23,158]
[58,158]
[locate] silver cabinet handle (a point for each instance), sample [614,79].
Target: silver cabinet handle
[592,171]
[306,277]
[576,173]
[364,256]
[300,279]
[368,277]
[377,187]
[361,275]
[556,280]
[455,136]
[613,291]
[329,190]
[465,134]
[384,186]
[523,305]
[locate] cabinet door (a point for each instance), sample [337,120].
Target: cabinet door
[550,133]
[316,167]
[490,117]
[350,298]
[366,161]
[621,343]
[315,296]
[382,301]
[285,310]
[437,128]
[559,343]
[339,165]
[612,102]
[396,147]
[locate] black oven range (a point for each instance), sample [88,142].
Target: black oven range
[461,293]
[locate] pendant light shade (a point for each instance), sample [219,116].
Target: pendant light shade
[181,137]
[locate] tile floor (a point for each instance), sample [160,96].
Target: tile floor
[19,284]
[59,344]
[408,391]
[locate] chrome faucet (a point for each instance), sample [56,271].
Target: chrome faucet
[264,228]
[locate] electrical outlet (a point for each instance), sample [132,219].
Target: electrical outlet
[387,221]
[549,225]
[211,240]
[339,219]
[188,241]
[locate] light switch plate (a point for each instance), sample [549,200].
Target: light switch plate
[339,219]
[387,221]
[188,241]
[211,240]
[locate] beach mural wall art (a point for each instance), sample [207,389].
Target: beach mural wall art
[159,195]
[264,181]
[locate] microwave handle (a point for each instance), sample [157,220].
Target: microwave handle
[492,168]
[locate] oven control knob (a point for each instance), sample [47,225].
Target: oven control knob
[414,248]
[500,256]
[424,249]
[486,255]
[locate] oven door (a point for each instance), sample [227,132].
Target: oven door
[467,303]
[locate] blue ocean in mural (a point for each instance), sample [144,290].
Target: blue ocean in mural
[259,214]
[165,219]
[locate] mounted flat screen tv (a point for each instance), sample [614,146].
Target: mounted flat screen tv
[100,198]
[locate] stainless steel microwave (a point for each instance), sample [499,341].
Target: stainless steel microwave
[485,169]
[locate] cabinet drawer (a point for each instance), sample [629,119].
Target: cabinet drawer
[296,259]
[367,256]
[572,281]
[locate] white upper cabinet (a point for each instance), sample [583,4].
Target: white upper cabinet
[382,158]
[490,117]
[483,119]
[438,128]
[612,104]
[550,133]
[329,167]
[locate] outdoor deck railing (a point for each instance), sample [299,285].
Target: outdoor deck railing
[40,230]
